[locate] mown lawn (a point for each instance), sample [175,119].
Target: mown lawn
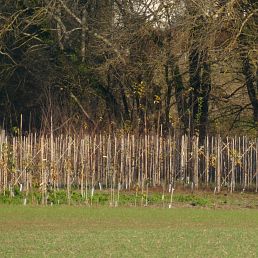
[65,231]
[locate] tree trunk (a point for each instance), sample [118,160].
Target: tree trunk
[195,85]
[250,81]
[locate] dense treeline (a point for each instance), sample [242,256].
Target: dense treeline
[129,64]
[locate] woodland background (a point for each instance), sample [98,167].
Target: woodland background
[129,65]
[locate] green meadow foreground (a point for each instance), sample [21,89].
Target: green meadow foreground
[65,231]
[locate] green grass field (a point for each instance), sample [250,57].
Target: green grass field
[127,232]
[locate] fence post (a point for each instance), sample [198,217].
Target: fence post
[218,167]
